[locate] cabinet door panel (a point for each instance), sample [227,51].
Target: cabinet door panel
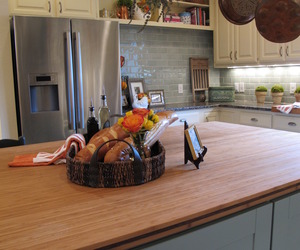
[32,7]
[292,51]
[77,8]
[245,43]
[223,40]
[249,230]
[286,225]
[288,123]
[256,119]
[270,52]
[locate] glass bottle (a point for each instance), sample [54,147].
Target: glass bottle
[92,122]
[103,113]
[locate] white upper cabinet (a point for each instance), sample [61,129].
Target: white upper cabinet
[77,8]
[234,44]
[51,8]
[32,7]
[279,53]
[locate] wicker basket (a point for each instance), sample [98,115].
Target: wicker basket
[117,174]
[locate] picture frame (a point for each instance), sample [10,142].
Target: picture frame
[194,141]
[136,86]
[124,101]
[157,98]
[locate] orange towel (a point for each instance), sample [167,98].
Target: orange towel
[43,158]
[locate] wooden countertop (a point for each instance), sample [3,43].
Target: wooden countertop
[244,166]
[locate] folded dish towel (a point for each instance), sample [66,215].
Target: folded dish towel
[288,108]
[43,158]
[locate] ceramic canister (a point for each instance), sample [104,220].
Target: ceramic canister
[185,17]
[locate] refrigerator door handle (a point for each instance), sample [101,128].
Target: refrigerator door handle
[79,85]
[70,84]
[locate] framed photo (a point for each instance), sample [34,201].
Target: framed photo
[194,141]
[156,98]
[124,101]
[136,86]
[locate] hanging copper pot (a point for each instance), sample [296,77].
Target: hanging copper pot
[278,20]
[238,11]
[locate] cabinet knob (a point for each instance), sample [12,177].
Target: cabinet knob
[280,51]
[49,6]
[254,119]
[60,7]
[293,124]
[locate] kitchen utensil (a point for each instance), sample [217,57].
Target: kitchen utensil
[238,11]
[278,21]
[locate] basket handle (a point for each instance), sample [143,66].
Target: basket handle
[137,165]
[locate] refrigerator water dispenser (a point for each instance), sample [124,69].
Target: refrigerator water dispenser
[43,92]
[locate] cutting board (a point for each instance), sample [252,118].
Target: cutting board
[294,111]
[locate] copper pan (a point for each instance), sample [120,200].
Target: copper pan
[278,20]
[238,12]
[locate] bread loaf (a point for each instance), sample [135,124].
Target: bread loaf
[104,135]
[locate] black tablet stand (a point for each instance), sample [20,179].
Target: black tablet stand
[187,152]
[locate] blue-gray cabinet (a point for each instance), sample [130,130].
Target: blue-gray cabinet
[286,223]
[247,230]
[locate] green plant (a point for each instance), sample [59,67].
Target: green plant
[127,3]
[297,90]
[277,88]
[261,89]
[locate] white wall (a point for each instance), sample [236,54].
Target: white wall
[8,123]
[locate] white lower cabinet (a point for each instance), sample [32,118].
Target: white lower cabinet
[256,119]
[286,223]
[248,230]
[286,122]
[195,116]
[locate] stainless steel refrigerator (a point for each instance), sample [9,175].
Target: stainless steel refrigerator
[59,65]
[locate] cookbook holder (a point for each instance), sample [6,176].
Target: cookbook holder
[117,174]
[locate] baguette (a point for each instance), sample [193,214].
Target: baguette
[104,135]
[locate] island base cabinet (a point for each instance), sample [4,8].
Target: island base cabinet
[248,230]
[286,223]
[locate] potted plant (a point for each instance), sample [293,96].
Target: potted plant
[260,93]
[123,7]
[277,93]
[297,94]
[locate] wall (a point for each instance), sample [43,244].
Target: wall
[253,77]
[8,123]
[161,57]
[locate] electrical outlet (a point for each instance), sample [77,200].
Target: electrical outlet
[292,87]
[242,87]
[237,87]
[180,88]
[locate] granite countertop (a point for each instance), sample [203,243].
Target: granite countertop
[202,105]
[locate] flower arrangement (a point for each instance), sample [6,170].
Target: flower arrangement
[137,122]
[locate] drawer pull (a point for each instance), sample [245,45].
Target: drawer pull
[292,124]
[254,119]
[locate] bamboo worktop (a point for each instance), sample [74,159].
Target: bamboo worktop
[244,166]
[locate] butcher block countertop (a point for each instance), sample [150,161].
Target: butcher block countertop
[244,166]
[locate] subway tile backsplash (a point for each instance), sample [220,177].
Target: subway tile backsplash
[161,57]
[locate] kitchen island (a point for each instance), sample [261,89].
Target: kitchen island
[244,167]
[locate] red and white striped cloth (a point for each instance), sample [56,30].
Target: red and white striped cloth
[43,158]
[288,108]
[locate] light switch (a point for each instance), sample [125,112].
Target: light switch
[292,87]
[242,87]
[180,88]
[237,87]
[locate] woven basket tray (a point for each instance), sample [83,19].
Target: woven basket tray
[117,174]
